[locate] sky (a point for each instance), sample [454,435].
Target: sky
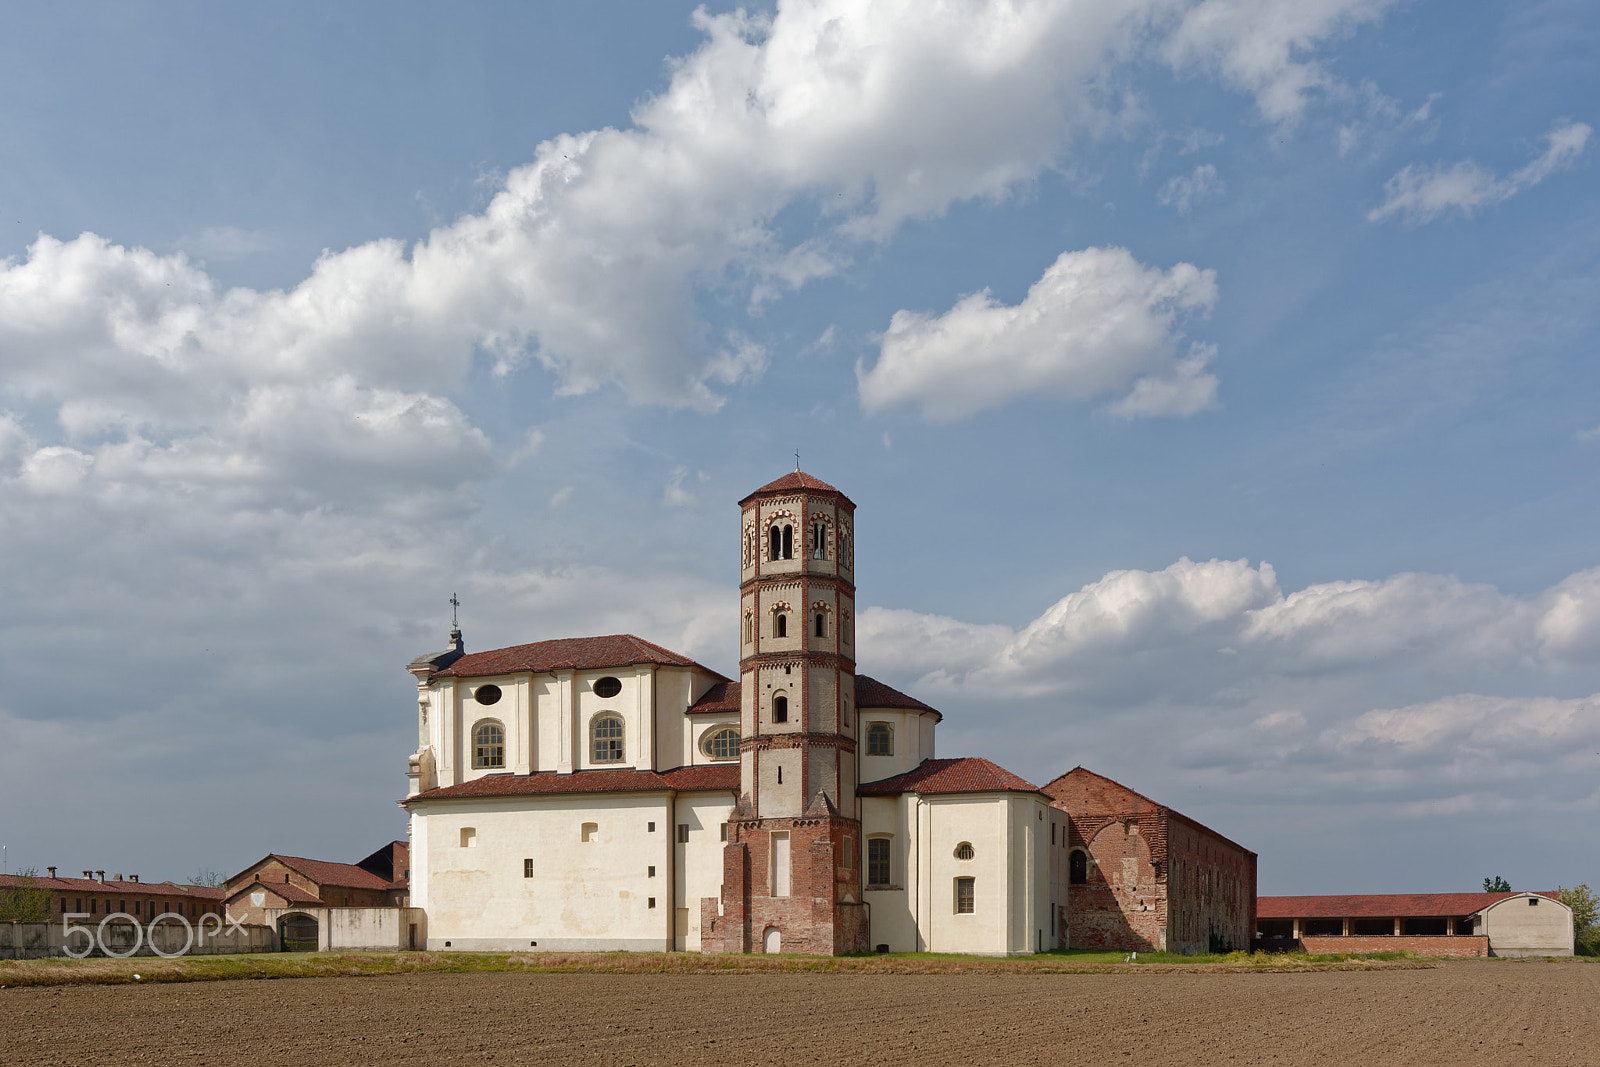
[1215,380]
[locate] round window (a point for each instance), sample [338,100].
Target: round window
[721,744]
[964,851]
[606,688]
[487,694]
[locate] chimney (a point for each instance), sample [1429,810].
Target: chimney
[89,875]
[133,877]
[116,877]
[100,876]
[456,644]
[52,871]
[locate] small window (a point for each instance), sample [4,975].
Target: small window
[469,839]
[1533,902]
[683,833]
[965,897]
[1052,833]
[650,828]
[607,734]
[880,739]
[774,543]
[1078,867]
[780,709]
[591,831]
[527,868]
[964,851]
[780,625]
[749,629]
[721,743]
[788,541]
[878,861]
[819,540]
[724,831]
[849,851]
[607,687]
[487,694]
[821,625]
[650,872]
[652,902]
[488,745]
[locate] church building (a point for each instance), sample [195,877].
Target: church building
[607,793]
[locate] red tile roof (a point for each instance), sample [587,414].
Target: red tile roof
[792,481]
[871,693]
[287,890]
[1379,905]
[94,885]
[325,872]
[724,696]
[568,653]
[684,779]
[1104,799]
[969,774]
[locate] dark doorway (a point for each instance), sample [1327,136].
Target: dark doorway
[298,933]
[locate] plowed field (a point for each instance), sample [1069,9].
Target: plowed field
[1490,1012]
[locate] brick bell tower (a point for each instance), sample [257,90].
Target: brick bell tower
[791,878]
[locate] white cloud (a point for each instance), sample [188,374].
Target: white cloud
[1183,191]
[1096,322]
[1422,194]
[1264,46]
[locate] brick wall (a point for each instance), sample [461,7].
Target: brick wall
[1460,945]
[1211,890]
[813,918]
[1122,906]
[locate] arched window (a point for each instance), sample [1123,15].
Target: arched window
[488,745]
[774,543]
[819,540]
[780,709]
[749,629]
[721,743]
[964,851]
[821,625]
[788,541]
[1078,867]
[606,732]
[880,739]
[780,625]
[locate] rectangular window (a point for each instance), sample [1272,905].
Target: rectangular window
[652,902]
[964,896]
[469,839]
[527,868]
[1052,833]
[878,861]
[849,850]
[650,827]
[724,831]
[651,872]
[591,830]
[683,833]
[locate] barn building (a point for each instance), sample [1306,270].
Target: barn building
[1430,924]
[608,793]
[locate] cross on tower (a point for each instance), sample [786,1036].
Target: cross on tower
[797,460]
[455,605]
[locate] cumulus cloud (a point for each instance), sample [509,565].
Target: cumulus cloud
[1422,194]
[1097,322]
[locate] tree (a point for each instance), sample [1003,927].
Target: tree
[27,901]
[207,877]
[1584,905]
[1496,884]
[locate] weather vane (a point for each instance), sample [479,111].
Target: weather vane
[455,605]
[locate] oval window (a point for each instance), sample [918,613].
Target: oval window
[487,694]
[721,744]
[607,688]
[964,850]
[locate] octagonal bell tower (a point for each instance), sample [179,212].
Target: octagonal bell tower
[792,880]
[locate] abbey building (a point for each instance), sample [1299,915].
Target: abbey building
[608,793]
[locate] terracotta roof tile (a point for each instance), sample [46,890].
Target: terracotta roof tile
[93,885]
[792,481]
[324,872]
[568,653]
[871,693]
[1379,905]
[724,696]
[545,783]
[969,774]
[287,890]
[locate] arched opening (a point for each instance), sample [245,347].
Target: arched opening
[780,709]
[488,745]
[880,739]
[607,734]
[780,625]
[774,543]
[820,625]
[297,933]
[788,541]
[819,541]
[771,941]
[1078,867]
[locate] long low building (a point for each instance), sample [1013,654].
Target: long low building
[1433,924]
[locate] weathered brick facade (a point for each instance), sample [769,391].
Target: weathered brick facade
[1153,879]
[1457,946]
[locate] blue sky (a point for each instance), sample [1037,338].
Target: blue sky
[1215,380]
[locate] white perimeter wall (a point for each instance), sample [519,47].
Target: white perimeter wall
[1516,928]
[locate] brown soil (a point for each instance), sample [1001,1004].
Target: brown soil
[1481,1012]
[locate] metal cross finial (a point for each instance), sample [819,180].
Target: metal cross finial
[797,461]
[455,605]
